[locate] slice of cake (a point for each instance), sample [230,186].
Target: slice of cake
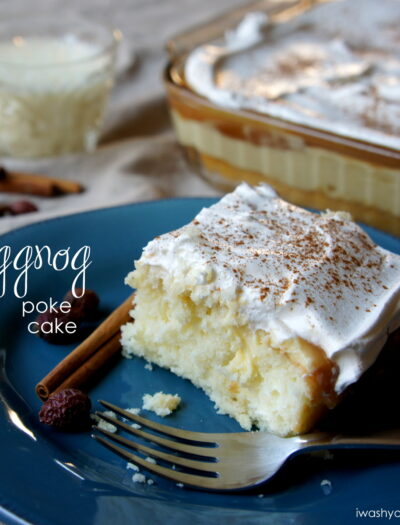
[271,309]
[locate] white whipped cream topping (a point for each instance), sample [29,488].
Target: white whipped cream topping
[336,67]
[294,273]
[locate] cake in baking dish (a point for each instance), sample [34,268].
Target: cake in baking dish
[271,309]
[304,96]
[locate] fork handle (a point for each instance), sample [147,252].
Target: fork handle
[387,439]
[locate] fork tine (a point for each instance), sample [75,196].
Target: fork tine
[174,445]
[177,460]
[180,477]
[163,429]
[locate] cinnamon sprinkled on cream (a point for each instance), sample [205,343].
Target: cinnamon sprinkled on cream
[294,273]
[335,67]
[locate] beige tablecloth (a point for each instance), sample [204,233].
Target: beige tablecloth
[137,158]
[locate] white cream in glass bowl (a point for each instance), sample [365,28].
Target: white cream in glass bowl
[55,76]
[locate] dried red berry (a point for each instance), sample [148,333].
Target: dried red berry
[3,172]
[85,307]
[52,327]
[20,207]
[68,409]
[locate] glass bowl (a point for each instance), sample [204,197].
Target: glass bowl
[56,72]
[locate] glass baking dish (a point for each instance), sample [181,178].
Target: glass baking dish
[306,165]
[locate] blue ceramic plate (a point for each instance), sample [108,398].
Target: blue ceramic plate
[53,478]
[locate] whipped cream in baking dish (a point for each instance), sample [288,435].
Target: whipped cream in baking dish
[294,274]
[335,67]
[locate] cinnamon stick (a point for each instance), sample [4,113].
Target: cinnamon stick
[36,184]
[89,370]
[102,341]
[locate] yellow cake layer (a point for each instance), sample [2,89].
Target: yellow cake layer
[281,388]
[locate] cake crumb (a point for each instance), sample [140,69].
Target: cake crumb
[139,478]
[180,485]
[134,411]
[150,481]
[104,425]
[326,486]
[160,403]
[148,366]
[151,460]
[132,466]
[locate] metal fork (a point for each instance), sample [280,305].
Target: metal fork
[223,461]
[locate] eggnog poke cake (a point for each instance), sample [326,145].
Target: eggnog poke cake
[271,309]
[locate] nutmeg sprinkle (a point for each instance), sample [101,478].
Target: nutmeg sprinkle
[294,272]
